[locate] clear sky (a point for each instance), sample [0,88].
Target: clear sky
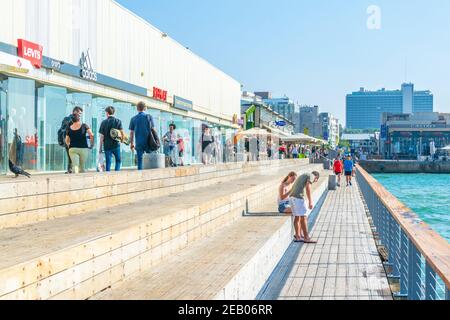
[315,52]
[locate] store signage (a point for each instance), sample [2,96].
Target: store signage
[159,94]
[280,123]
[10,63]
[87,69]
[182,104]
[55,65]
[30,51]
[419,126]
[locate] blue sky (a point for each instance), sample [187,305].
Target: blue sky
[314,51]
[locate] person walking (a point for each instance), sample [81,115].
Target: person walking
[180,144]
[170,145]
[76,140]
[298,204]
[140,128]
[282,150]
[62,133]
[295,152]
[111,146]
[338,168]
[283,193]
[348,168]
[207,143]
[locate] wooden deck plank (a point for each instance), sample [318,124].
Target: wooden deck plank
[345,264]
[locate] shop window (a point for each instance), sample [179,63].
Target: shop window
[21,128]
[51,110]
[3,129]
[124,112]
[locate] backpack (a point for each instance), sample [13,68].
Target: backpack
[63,130]
[153,142]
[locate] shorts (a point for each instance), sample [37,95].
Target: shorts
[299,208]
[348,173]
[337,173]
[283,206]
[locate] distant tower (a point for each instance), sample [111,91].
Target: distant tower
[408,97]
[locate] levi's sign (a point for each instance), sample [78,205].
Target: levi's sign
[159,94]
[30,51]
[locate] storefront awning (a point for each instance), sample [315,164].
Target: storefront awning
[276,131]
[302,138]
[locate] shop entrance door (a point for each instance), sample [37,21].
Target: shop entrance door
[3,130]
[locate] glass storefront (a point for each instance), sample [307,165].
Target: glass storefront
[32,113]
[409,145]
[3,128]
[21,123]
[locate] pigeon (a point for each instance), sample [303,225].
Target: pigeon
[18,170]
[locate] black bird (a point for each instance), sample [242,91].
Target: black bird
[18,170]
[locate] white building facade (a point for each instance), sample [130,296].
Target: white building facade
[58,54]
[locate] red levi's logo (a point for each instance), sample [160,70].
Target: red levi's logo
[30,51]
[159,94]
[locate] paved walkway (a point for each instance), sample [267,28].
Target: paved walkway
[343,265]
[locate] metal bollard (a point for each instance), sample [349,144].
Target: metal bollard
[332,183]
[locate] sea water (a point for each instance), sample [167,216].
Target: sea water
[428,195]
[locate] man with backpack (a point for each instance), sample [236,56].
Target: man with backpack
[62,132]
[141,131]
[111,146]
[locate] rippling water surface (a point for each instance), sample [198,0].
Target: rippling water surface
[428,195]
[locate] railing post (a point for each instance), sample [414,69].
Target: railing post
[394,250]
[414,279]
[430,283]
[403,264]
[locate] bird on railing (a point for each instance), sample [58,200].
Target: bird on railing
[18,171]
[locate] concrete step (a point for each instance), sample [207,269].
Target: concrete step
[233,264]
[48,197]
[77,256]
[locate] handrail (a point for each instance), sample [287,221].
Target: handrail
[432,246]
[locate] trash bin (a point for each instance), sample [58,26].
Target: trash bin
[154,160]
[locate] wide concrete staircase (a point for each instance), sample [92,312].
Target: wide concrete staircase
[162,234]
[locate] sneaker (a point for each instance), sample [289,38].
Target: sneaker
[351,184]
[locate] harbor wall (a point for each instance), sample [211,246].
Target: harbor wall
[389,166]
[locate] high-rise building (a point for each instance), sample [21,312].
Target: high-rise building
[330,128]
[309,121]
[284,106]
[365,108]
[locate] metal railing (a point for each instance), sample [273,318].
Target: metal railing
[418,257]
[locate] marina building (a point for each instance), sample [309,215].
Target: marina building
[62,54]
[412,136]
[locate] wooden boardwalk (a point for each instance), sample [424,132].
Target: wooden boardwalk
[344,264]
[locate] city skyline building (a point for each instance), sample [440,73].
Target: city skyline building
[330,128]
[364,108]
